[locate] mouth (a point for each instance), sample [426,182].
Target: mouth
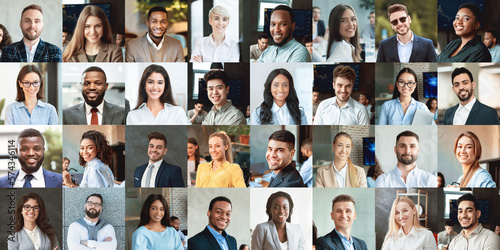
[277,36]
[464,220]
[215,98]
[92,95]
[155,92]
[31,161]
[280,95]
[459,28]
[158,32]
[402,221]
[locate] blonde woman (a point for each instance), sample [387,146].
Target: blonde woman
[341,172]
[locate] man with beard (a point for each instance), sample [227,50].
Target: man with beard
[342,109]
[405,46]
[155,46]
[468,111]
[95,110]
[90,232]
[30,153]
[176,223]
[490,39]
[473,235]
[285,48]
[406,173]
[214,236]
[279,156]
[31,48]
[257,49]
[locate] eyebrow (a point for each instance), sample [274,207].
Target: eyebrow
[216,85]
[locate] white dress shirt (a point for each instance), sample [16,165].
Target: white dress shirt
[416,178]
[157,47]
[421,239]
[88,112]
[352,113]
[156,167]
[340,175]
[462,113]
[38,180]
[281,116]
[77,233]
[34,237]
[169,115]
[341,51]
[404,50]
[30,54]
[227,51]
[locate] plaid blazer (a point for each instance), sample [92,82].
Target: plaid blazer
[45,52]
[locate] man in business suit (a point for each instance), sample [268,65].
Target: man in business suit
[155,46]
[468,111]
[343,214]
[158,173]
[95,110]
[30,152]
[214,236]
[318,25]
[405,46]
[31,48]
[279,156]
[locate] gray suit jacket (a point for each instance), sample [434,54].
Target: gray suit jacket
[137,50]
[265,236]
[21,241]
[107,53]
[111,115]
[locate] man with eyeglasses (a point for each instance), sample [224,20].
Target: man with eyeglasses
[405,46]
[90,232]
[469,111]
[95,110]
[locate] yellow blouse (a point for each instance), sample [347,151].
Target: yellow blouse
[227,175]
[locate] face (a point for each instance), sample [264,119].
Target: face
[281,27]
[64,37]
[93,30]
[217,149]
[93,211]
[191,149]
[156,211]
[176,224]
[372,19]
[31,91]
[88,149]
[248,111]
[31,215]
[30,153]
[280,209]
[343,88]
[94,88]
[465,151]
[217,92]
[406,91]
[343,214]
[1,35]
[468,216]
[220,216]
[157,24]
[219,23]
[407,150]
[278,155]
[280,88]
[448,229]
[465,23]
[401,27]
[348,25]
[316,14]
[434,104]
[342,147]
[31,24]
[439,181]
[489,40]
[156,150]
[65,165]
[198,106]
[363,100]
[497,230]
[404,214]
[463,87]
[315,96]
[309,47]
[263,43]
[246,248]
[118,40]
[155,85]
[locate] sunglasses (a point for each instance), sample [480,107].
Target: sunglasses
[401,19]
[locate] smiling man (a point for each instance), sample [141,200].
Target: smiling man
[95,110]
[279,156]
[157,172]
[343,214]
[285,48]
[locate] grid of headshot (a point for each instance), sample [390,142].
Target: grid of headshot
[250,125]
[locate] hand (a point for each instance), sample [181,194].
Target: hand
[83,242]
[108,239]
[55,248]
[198,58]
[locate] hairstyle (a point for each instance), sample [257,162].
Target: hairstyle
[367,96]
[77,43]
[406,133]
[122,42]
[145,218]
[468,197]
[345,72]
[217,65]
[270,203]
[395,8]
[396,93]
[429,102]
[32,7]
[493,33]
[198,101]
[316,7]
[475,10]
[42,221]
[197,157]
[6,40]
[461,70]
[372,12]
[66,159]
[307,39]
[218,10]
[95,195]
[101,146]
[227,142]
[334,36]
[285,8]
[449,223]
[393,225]
[292,101]
[308,144]
[263,35]
[155,9]
[95,69]
[26,69]
[375,171]
[158,136]
[172,218]
[216,74]
[243,246]
[284,136]
[343,198]
[166,97]
[216,199]
[29,132]
[477,150]
[353,173]
[442,178]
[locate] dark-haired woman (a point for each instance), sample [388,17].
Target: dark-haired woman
[154,230]
[193,159]
[5,38]
[343,40]
[280,105]
[95,157]
[432,104]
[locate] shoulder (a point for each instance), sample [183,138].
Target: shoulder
[484,107]
[170,39]
[140,231]
[323,104]
[423,39]
[113,47]
[74,107]
[114,106]
[137,41]
[169,166]
[359,169]
[388,40]
[360,241]
[50,173]
[421,105]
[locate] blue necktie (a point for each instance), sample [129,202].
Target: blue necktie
[27,182]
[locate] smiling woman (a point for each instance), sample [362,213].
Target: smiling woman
[95,157]
[343,40]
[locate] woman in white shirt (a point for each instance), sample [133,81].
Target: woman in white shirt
[155,104]
[280,105]
[343,40]
[194,159]
[405,231]
[95,157]
[217,47]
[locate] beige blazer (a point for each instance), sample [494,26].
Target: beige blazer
[137,50]
[325,177]
[265,237]
[107,53]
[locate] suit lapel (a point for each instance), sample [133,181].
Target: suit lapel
[395,47]
[107,114]
[336,239]
[39,51]
[22,51]
[145,48]
[80,114]
[211,239]
[103,53]
[453,111]
[414,52]
[276,239]
[47,176]
[160,173]
[473,112]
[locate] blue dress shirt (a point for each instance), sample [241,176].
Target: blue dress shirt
[97,175]
[42,114]
[221,238]
[392,112]
[480,179]
[291,52]
[348,244]
[143,238]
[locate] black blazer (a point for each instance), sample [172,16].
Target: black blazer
[288,177]
[205,240]
[422,51]
[332,241]
[480,114]
[321,28]
[168,175]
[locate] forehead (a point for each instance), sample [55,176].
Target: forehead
[215,82]
[93,20]
[280,201]
[280,78]
[223,205]
[32,13]
[93,75]
[158,15]
[341,80]
[397,15]
[156,141]
[343,139]
[461,77]
[31,76]
[407,76]
[402,205]
[36,140]
[465,12]
[278,144]
[343,205]
[94,199]
[465,140]
[466,204]
[32,202]
[157,203]
[219,15]
[281,16]
[215,140]
[87,142]
[407,140]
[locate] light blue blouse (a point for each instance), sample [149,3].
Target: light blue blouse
[480,179]
[392,112]
[42,114]
[143,238]
[281,116]
[97,175]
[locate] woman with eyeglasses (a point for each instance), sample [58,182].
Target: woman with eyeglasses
[28,108]
[401,109]
[95,157]
[32,228]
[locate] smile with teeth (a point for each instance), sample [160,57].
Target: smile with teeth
[216,98]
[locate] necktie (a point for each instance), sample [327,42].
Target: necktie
[27,182]
[94,120]
[148,175]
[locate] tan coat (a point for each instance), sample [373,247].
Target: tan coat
[137,50]
[107,53]
[325,177]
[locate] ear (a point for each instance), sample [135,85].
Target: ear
[292,152]
[478,213]
[395,150]
[209,213]
[293,27]
[409,19]
[473,84]
[166,149]
[476,25]
[106,88]
[227,88]
[331,214]
[354,216]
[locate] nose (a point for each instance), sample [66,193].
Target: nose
[463,150]
[277,28]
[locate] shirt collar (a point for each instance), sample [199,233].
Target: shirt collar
[37,175]
[342,171]
[478,230]
[216,234]
[33,48]
[410,42]
[347,104]
[288,44]
[343,238]
[223,108]
[226,39]
[38,103]
[90,223]
[35,230]
[469,105]
[156,164]
[153,43]
[412,232]
[88,108]
[276,108]
[412,172]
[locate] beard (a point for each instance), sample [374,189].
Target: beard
[29,170]
[92,215]
[30,36]
[466,97]
[406,161]
[94,103]
[285,40]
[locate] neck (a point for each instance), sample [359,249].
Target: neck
[153,162]
[280,103]
[345,232]
[222,103]
[218,37]
[157,41]
[30,43]
[471,229]
[218,230]
[407,229]
[154,104]
[339,164]
[466,39]
[92,220]
[192,158]
[30,225]
[218,163]
[405,99]
[92,48]
[405,169]
[280,225]
[466,168]
[31,102]
[406,37]
[341,103]
[154,225]
[463,103]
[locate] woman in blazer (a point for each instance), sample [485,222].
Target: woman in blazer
[341,166]
[278,233]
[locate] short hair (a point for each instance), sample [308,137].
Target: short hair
[406,133]
[475,10]
[95,195]
[345,72]
[217,65]
[270,203]
[216,74]
[495,34]
[308,144]
[216,199]
[316,7]
[372,12]
[343,198]
[218,10]
[367,96]
[172,218]
[284,136]
[95,69]
[308,39]
[32,7]
[263,35]
[198,101]
[395,8]
[449,223]
[26,69]
[468,197]
[29,132]
[461,70]
[158,136]
[155,9]
[285,8]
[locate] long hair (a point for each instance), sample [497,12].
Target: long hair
[292,102]
[6,40]
[353,173]
[26,69]
[227,142]
[42,221]
[375,171]
[270,203]
[477,150]
[334,35]
[396,93]
[442,178]
[77,43]
[145,218]
[197,157]
[101,145]
[429,102]
[166,97]
[393,224]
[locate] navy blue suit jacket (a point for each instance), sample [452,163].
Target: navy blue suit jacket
[45,52]
[52,180]
[480,114]
[321,28]
[288,177]
[332,241]
[168,175]
[422,51]
[205,240]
